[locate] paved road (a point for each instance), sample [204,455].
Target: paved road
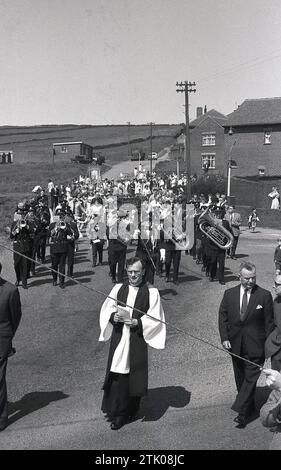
[128,166]
[55,379]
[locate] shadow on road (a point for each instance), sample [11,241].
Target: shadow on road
[188,279]
[81,260]
[230,278]
[82,273]
[164,292]
[158,400]
[32,402]
[40,282]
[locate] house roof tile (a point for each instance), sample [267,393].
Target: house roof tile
[215,115]
[256,111]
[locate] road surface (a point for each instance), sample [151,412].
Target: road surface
[55,378]
[128,166]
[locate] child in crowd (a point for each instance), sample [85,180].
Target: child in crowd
[252,220]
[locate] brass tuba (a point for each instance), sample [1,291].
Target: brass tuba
[213,230]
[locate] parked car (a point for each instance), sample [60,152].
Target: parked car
[82,159]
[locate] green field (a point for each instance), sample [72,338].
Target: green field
[35,143]
[18,180]
[33,158]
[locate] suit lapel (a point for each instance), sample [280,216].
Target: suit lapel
[236,301]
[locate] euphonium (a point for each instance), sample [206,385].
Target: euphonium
[213,230]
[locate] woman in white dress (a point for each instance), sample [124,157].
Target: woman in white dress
[275,196]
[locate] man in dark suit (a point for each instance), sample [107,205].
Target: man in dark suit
[245,321]
[10,315]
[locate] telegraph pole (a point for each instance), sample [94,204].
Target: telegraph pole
[187,87]
[129,152]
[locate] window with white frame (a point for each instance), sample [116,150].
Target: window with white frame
[208,161]
[267,138]
[63,149]
[208,138]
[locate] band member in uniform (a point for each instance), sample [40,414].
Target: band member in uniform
[59,234]
[172,254]
[196,250]
[22,243]
[117,247]
[149,252]
[43,214]
[126,378]
[97,239]
[69,220]
[216,254]
[234,219]
[42,197]
[34,227]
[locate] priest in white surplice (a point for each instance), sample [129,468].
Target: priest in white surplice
[131,331]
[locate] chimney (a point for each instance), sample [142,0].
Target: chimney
[205,109]
[199,112]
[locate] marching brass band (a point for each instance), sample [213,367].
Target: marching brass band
[160,226]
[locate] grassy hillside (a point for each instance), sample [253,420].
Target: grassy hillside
[17,182]
[35,143]
[33,156]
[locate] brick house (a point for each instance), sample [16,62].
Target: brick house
[255,140]
[207,142]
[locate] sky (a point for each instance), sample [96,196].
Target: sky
[117,61]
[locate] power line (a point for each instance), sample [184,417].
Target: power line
[238,67]
[92,289]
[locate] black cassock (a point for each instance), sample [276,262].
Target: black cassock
[120,388]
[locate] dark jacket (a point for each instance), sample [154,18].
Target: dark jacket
[21,238]
[59,238]
[10,315]
[256,326]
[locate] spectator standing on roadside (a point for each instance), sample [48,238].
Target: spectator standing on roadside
[10,316]
[245,321]
[275,198]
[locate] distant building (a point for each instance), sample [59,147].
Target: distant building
[253,136]
[71,149]
[6,156]
[207,150]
